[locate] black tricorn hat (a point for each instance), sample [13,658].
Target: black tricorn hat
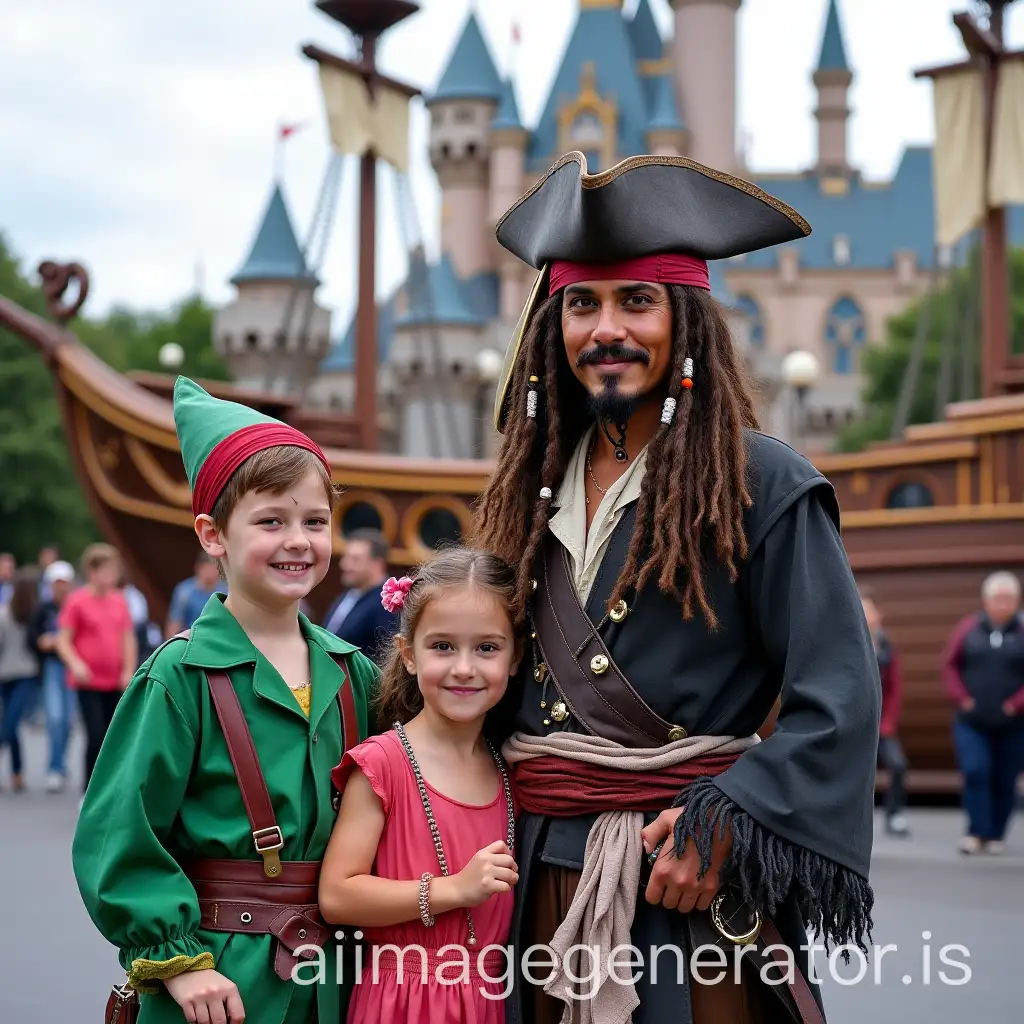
[643,206]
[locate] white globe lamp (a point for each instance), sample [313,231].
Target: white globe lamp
[488,365]
[800,370]
[171,355]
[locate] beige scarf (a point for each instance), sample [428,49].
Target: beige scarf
[601,913]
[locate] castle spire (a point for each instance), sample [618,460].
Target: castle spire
[833,49]
[471,73]
[275,254]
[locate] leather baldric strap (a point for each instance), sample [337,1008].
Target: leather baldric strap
[266,834]
[581,667]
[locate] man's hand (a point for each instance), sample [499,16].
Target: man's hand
[674,883]
[1009,708]
[206,997]
[967,704]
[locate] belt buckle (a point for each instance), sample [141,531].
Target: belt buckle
[273,833]
[718,921]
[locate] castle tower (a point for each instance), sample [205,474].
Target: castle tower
[507,184]
[832,79]
[461,111]
[274,335]
[705,66]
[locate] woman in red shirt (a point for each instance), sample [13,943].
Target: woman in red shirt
[96,642]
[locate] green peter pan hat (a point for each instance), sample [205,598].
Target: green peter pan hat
[217,436]
[662,216]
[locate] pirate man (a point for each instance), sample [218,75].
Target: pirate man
[682,575]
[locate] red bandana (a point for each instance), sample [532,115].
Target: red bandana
[227,456]
[666,268]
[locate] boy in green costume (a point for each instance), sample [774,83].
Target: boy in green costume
[164,812]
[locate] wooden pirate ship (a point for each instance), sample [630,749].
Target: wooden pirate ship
[925,516]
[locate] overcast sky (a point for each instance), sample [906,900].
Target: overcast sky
[139,137]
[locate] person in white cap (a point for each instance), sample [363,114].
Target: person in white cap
[58,697]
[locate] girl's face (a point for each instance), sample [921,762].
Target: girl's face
[462,654]
[277,547]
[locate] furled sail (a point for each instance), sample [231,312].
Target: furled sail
[359,122]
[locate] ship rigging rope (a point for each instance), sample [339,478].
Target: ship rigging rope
[323,215]
[420,290]
[912,374]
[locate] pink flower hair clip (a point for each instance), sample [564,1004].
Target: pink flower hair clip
[394,592]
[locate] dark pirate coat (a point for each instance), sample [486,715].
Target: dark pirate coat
[800,802]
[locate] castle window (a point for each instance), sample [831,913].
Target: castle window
[464,115]
[752,311]
[587,130]
[845,333]
[470,149]
[252,339]
[841,250]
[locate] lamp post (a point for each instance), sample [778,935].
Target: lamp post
[800,370]
[488,368]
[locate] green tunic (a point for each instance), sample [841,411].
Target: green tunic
[164,791]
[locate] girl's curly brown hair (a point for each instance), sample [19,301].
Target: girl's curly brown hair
[694,489]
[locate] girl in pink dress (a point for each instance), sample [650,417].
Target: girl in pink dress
[421,858]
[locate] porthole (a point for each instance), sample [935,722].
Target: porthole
[910,494]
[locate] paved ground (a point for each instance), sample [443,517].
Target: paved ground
[54,966]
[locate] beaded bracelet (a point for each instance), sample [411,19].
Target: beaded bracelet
[425,916]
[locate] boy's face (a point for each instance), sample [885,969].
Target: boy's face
[277,547]
[60,590]
[104,576]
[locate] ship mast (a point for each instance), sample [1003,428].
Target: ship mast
[987,53]
[367,20]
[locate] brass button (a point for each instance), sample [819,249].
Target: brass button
[559,712]
[533,585]
[302,933]
[677,732]
[619,612]
[540,673]
[599,664]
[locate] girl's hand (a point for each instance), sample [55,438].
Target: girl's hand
[492,870]
[206,997]
[47,642]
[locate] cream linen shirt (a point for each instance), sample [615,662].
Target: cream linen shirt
[569,522]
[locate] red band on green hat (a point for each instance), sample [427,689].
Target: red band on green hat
[666,268]
[227,456]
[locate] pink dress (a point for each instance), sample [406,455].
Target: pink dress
[451,989]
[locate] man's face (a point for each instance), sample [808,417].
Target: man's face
[6,567]
[47,556]
[872,614]
[359,569]
[618,338]
[1001,605]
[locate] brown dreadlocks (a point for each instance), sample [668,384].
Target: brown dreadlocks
[694,489]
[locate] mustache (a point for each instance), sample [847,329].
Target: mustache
[615,352]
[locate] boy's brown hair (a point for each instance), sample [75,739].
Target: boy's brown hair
[274,470]
[95,556]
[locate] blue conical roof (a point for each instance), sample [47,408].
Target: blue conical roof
[833,51]
[644,34]
[471,73]
[275,254]
[507,114]
[664,111]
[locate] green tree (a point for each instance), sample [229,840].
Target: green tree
[949,317]
[40,497]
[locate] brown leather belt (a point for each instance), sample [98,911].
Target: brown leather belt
[237,896]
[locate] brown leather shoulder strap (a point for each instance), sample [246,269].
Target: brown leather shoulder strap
[266,834]
[347,706]
[581,667]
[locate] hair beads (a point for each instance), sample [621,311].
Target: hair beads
[531,399]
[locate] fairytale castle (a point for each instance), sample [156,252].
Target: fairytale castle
[620,89]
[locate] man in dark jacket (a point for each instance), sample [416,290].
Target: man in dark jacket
[890,752]
[681,571]
[358,616]
[983,668]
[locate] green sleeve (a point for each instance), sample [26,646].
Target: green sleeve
[134,890]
